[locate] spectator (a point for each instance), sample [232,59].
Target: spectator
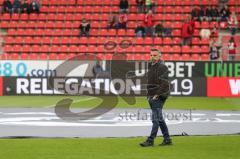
[122,22]
[202,14]
[123,6]
[233,23]
[25,7]
[7,6]
[214,32]
[192,24]
[187,31]
[208,14]
[195,13]
[113,22]
[149,23]
[84,28]
[159,30]
[214,50]
[148,5]
[99,72]
[34,7]
[215,14]
[224,13]
[167,31]
[222,3]
[153,5]
[139,30]
[16,6]
[97,69]
[140,6]
[232,49]
[205,33]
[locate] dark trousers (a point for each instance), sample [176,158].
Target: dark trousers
[157,119]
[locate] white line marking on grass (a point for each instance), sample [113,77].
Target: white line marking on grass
[198,114]
[30,113]
[227,114]
[76,101]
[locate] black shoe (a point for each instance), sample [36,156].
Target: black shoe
[166,142]
[146,144]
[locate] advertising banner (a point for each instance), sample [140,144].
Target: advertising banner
[187,78]
[223,87]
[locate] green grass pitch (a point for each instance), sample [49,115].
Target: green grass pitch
[199,103]
[198,147]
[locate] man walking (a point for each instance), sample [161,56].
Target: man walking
[158,90]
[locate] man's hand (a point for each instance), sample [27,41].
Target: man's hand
[155,97]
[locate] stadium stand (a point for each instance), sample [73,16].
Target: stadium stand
[54,32]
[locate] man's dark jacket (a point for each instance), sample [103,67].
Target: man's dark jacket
[158,83]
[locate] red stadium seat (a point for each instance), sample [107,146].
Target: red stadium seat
[195,57]
[56,41]
[186,49]
[33,16]
[196,41]
[157,41]
[5,16]
[54,49]
[130,32]
[67,32]
[13,56]
[186,57]
[15,16]
[36,49]
[176,32]
[148,41]
[112,32]
[177,41]
[166,56]
[46,40]
[92,41]
[7,48]
[176,49]
[167,41]
[24,56]
[100,49]
[166,49]
[176,57]
[83,40]
[24,16]
[9,40]
[177,25]
[130,56]
[205,25]
[33,56]
[74,40]
[139,49]
[65,41]
[205,41]
[196,49]
[53,56]
[43,56]
[121,32]
[26,48]
[63,49]
[17,48]
[45,48]
[205,57]
[4,24]
[73,49]
[205,49]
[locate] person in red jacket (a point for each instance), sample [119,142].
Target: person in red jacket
[232,49]
[187,32]
[149,23]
